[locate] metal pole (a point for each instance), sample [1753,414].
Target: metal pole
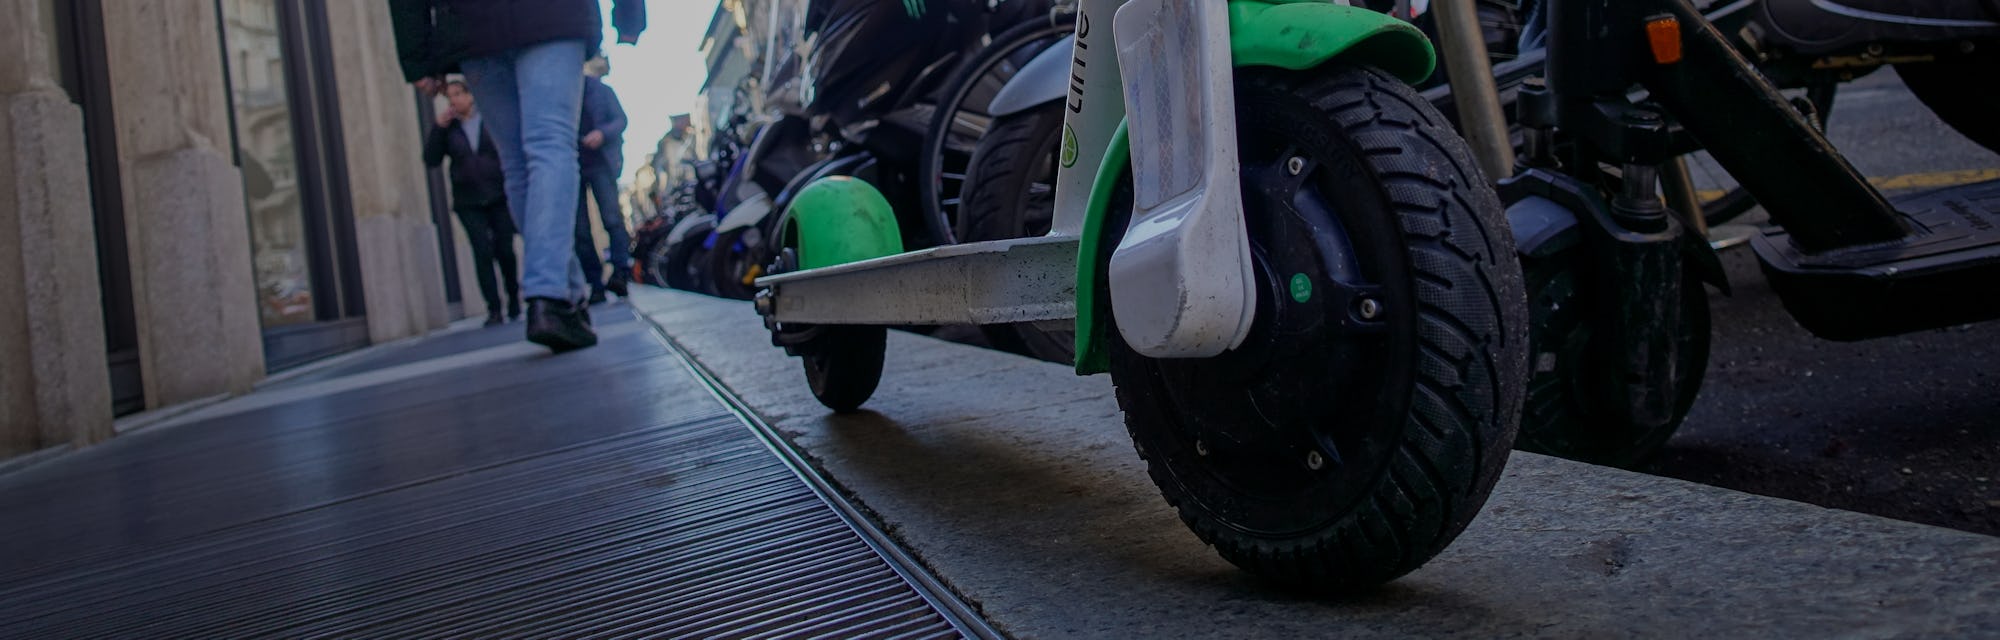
[1678,183]
[1480,119]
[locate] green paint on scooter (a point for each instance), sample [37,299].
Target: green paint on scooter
[839,220]
[1305,35]
[1092,264]
[1287,34]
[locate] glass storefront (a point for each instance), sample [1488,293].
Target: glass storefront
[283,268]
[287,136]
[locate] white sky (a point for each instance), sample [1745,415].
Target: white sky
[658,77]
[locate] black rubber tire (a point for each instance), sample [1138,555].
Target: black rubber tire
[1010,194]
[687,262]
[932,166]
[844,365]
[653,263]
[1952,88]
[1562,415]
[727,267]
[1435,399]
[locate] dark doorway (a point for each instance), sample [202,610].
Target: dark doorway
[84,74]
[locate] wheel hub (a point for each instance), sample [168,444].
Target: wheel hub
[1293,410]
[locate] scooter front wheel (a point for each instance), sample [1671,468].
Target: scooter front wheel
[1365,419]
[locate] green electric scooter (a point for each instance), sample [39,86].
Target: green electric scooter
[1301,284]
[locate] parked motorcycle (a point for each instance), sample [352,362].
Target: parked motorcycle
[1616,272]
[681,259]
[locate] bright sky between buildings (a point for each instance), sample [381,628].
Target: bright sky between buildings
[658,77]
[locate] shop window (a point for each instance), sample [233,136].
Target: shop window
[285,123]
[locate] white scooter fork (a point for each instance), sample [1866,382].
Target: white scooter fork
[1181,279]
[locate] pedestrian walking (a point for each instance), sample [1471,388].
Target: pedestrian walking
[601,141]
[520,58]
[479,197]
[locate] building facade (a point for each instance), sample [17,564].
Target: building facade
[200,193]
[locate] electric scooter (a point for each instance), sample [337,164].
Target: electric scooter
[1616,271]
[1298,279]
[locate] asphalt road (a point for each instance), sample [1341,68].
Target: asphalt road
[1905,427]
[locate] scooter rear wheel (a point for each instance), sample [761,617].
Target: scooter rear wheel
[1364,421]
[844,365]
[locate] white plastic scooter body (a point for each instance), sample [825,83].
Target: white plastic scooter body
[1181,279]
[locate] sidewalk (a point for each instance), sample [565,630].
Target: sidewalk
[1015,482]
[469,484]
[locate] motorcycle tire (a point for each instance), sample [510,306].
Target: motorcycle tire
[844,365]
[686,259]
[1564,414]
[1364,421]
[729,268]
[940,163]
[1010,193]
[1950,86]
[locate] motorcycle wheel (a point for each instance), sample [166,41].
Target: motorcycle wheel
[942,170]
[729,267]
[686,259]
[1950,86]
[1010,193]
[844,365]
[1363,422]
[1565,415]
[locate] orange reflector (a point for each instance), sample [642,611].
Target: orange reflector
[1664,33]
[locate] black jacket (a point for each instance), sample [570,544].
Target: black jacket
[433,36]
[604,114]
[476,180]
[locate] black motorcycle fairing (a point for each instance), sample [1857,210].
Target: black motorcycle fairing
[862,53]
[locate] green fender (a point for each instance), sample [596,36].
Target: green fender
[837,220]
[1287,34]
[1304,34]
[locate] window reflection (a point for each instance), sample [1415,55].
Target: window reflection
[270,165]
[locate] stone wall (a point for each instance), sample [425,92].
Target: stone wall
[54,384]
[401,268]
[193,292]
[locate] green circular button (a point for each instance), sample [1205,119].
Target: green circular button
[1302,287]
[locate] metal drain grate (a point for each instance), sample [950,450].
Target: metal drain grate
[700,528]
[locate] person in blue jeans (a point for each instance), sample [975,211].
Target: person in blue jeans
[522,59]
[602,138]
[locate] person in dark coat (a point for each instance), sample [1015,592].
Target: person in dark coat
[602,138]
[521,59]
[479,197]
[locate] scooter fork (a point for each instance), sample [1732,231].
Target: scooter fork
[1181,277]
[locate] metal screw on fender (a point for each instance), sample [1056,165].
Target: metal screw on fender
[1370,309]
[1201,447]
[1296,165]
[1315,461]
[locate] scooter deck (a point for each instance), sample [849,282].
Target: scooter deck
[997,282]
[1948,273]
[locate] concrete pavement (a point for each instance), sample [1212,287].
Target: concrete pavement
[1015,482]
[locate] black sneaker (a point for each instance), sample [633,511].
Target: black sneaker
[618,284]
[597,296]
[559,325]
[513,309]
[494,319]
